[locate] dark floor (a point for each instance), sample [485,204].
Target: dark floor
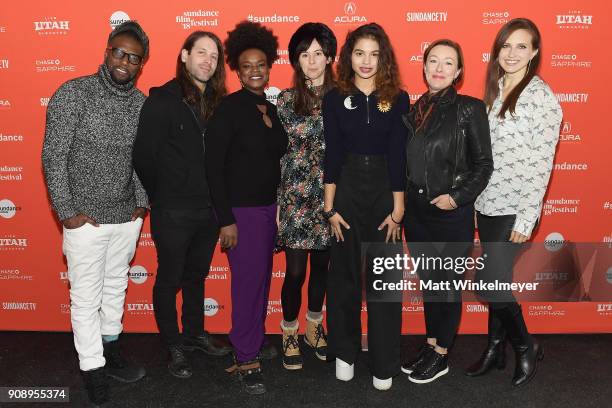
[576,372]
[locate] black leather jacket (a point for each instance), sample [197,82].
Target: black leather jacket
[457,148]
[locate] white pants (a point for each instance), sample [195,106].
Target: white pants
[98,265]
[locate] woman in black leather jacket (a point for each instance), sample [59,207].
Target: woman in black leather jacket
[449,163]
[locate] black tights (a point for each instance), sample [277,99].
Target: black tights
[291,294]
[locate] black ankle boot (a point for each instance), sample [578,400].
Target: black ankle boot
[495,353]
[179,365]
[526,350]
[118,367]
[96,385]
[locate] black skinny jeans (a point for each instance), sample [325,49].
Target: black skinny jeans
[185,241]
[424,224]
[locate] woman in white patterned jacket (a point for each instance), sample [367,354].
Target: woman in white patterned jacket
[524,118]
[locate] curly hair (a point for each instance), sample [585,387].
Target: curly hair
[388,82]
[247,35]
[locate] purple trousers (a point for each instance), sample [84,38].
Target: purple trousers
[251,265]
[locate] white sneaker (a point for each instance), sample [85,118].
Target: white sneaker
[382,385]
[344,370]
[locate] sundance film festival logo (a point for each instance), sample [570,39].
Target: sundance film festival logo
[11,173]
[138,274]
[23,306]
[10,138]
[11,242]
[568,135]
[574,20]
[198,19]
[283,58]
[495,17]
[274,306]
[211,307]
[572,97]
[146,240]
[350,15]
[118,17]
[561,206]
[8,209]
[218,272]
[52,26]
[53,65]
[568,61]
[5,104]
[426,16]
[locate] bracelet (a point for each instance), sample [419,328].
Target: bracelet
[451,203]
[391,216]
[328,214]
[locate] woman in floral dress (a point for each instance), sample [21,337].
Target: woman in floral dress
[303,232]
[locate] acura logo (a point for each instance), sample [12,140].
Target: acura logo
[567,127]
[424,46]
[350,8]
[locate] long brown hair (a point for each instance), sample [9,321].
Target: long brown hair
[215,87]
[388,80]
[306,100]
[495,71]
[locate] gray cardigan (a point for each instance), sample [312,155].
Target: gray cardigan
[87,152]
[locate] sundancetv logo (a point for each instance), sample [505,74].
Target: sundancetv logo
[574,20]
[572,97]
[8,209]
[426,16]
[272,94]
[211,307]
[138,274]
[52,26]
[479,308]
[350,15]
[118,17]
[4,64]
[554,241]
[19,306]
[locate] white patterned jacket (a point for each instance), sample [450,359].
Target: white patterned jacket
[523,147]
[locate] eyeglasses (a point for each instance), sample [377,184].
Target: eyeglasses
[118,53]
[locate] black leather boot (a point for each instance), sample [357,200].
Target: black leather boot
[495,353]
[179,365]
[96,385]
[118,367]
[205,342]
[527,351]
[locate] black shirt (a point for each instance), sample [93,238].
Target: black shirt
[416,158]
[243,154]
[358,124]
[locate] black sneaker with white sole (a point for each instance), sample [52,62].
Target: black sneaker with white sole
[434,367]
[411,366]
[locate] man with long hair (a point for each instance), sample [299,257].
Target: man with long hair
[169,159]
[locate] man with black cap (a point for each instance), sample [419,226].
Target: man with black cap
[90,130]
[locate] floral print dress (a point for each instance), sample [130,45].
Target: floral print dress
[300,194]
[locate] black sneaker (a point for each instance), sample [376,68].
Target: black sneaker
[267,352]
[179,365]
[432,368]
[118,367]
[96,385]
[410,366]
[206,343]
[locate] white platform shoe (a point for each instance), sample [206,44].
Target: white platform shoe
[344,370]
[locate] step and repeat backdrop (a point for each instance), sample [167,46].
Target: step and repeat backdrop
[45,43]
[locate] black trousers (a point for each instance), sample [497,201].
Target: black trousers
[185,240]
[364,199]
[295,275]
[425,224]
[494,232]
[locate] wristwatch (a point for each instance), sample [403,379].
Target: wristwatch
[330,213]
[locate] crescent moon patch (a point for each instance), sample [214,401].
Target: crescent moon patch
[348,103]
